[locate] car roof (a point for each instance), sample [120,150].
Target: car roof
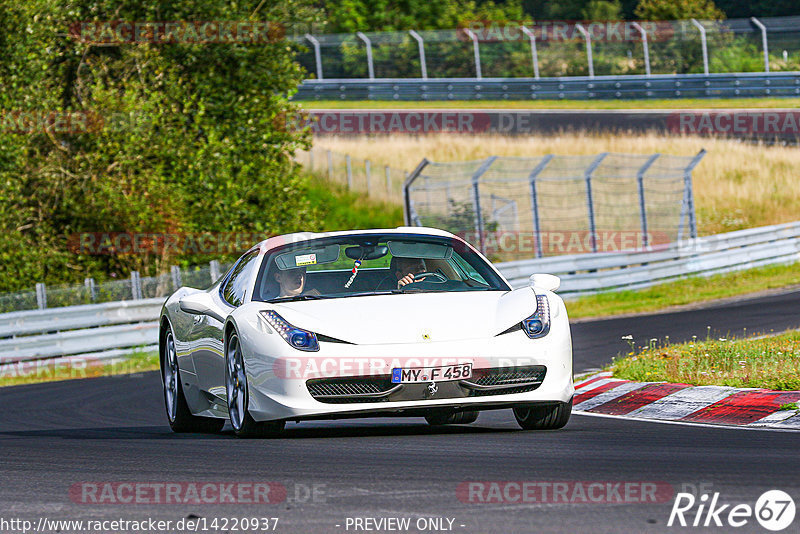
[299,237]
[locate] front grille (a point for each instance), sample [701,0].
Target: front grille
[351,389]
[516,380]
[484,382]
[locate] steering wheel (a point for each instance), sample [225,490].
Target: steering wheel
[440,278]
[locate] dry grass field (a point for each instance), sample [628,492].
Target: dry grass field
[737,185]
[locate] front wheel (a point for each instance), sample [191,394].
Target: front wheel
[543,417]
[244,426]
[179,416]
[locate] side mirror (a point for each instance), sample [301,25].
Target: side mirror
[548,282]
[200,303]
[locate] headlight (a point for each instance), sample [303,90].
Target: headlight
[296,337]
[538,324]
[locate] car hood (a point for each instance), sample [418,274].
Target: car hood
[412,318]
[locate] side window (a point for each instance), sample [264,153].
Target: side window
[237,283]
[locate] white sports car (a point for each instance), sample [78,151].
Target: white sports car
[405,322]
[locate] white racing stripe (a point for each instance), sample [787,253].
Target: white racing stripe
[582,382]
[774,418]
[601,382]
[611,394]
[771,428]
[683,402]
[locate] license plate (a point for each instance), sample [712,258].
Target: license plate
[431,374]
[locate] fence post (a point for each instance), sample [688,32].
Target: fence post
[136,285]
[366,172]
[330,165]
[687,185]
[41,296]
[642,208]
[89,284]
[537,232]
[176,276]
[311,159]
[317,54]
[213,269]
[349,171]
[388,180]
[590,200]
[534,54]
[370,67]
[644,46]
[476,200]
[421,44]
[763,41]
[476,51]
[407,207]
[588,39]
[702,43]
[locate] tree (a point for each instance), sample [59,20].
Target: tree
[349,16]
[678,10]
[189,137]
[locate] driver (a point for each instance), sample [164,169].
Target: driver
[406,268]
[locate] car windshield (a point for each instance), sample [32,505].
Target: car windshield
[372,264]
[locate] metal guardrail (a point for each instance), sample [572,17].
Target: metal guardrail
[75,342]
[94,332]
[75,317]
[563,88]
[584,274]
[109,330]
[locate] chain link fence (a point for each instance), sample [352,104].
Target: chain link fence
[558,48]
[133,288]
[518,208]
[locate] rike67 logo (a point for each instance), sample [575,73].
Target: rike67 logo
[774,510]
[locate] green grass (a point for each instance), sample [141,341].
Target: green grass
[770,362]
[688,291]
[686,103]
[789,406]
[47,371]
[346,210]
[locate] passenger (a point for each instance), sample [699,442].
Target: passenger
[291,281]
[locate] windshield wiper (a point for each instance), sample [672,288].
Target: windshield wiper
[299,297]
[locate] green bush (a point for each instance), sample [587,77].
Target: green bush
[199,143]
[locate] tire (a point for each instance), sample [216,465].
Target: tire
[543,417]
[238,395]
[181,419]
[439,418]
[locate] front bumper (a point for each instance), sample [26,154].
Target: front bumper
[279,376]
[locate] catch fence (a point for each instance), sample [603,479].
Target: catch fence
[516,208]
[547,49]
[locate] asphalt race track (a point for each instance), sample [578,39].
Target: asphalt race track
[111,430]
